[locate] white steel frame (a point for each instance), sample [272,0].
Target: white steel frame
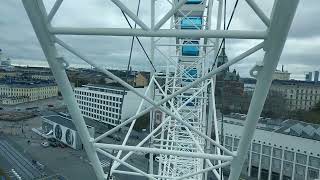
[200,153]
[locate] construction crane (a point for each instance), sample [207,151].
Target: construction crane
[181,99]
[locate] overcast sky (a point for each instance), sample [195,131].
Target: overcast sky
[18,41]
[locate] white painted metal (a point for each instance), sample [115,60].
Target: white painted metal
[182,137]
[54,9]
[278,31]
[235,34]
[37,16]
[134,17]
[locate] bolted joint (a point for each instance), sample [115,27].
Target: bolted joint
[63,62]
[254,72]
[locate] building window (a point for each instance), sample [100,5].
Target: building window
[312,173]
[255,159]
[236,143]
[266,150]
[314,162]
[288,155]
[276,165]
[300,172]
[277,152]
[256,147]
[265,162]
[301,158]
[228,141]
[287,170]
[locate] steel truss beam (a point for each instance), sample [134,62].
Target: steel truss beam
[280,25]
[234,34]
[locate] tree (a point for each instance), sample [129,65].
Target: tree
[142,122]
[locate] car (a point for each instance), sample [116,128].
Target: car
[52,139]
[148,155]
[157,158]
[45,144]
[116,138]
[62,145]
[54,144]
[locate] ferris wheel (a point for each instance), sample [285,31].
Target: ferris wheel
[183,142]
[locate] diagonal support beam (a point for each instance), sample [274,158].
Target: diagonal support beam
[280,24]
[128,12]
[54,10]
[172,11]
[264,18]
[125,163]
[142,142]
[37,15]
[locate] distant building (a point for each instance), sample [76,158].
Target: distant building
[106,104]
[15,92]
[281,75]
[286,150]
[140,80]
[316,76]
[309,76]
[5,62]
[62,129]
[5,73]
[48,76]
[299,94]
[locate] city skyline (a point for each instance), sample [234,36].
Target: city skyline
[18,40]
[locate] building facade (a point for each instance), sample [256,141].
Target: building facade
[278,152]
[140,80]
[281,75]
[12,92]
[62,129]
[300,95]
[107,104]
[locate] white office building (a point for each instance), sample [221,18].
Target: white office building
[286,150]
[107,104]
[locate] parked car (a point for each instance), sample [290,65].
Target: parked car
[45,144]
[157,158]
[148,154]
[117,138]
[52,139]
[54,144]
[62,145]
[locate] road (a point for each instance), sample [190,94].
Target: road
[21,165]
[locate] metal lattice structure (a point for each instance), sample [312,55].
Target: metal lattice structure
[181,138]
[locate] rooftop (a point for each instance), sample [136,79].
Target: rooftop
[103,86]
[60,120]
[289,127]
